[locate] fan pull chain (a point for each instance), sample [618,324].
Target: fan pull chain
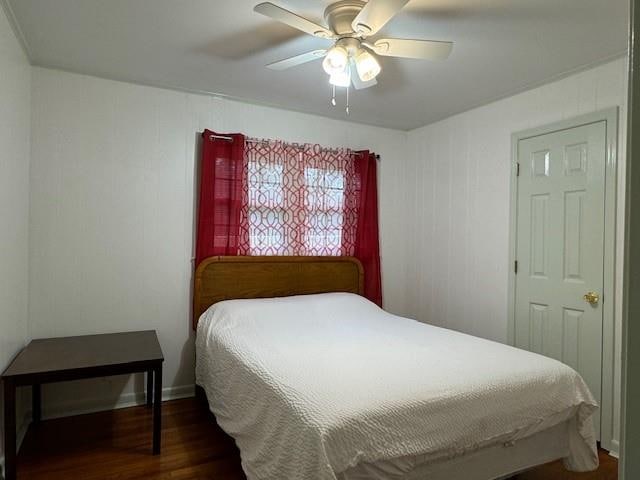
[333,98]
[347,109]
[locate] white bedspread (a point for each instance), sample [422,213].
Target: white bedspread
[311,385]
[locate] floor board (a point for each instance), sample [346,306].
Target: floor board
[116,445]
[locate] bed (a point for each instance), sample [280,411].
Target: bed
[315,382]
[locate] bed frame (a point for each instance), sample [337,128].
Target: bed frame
[228,278]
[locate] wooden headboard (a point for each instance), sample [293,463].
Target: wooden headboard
[227,278]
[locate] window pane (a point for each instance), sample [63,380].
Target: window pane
[323,234]
[267,231]
[325,188]
[265,185]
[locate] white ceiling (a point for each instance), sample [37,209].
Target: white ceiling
[221,46]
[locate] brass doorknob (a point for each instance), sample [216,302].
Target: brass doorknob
[592,297]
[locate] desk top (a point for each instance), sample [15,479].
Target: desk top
[73,353]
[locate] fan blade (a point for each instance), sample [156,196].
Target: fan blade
[285,16]
[375,14]
[297,60]
[420,49]
[357,82]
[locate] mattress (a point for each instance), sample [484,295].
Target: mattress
[312,387]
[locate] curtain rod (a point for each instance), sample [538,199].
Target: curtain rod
[230,139]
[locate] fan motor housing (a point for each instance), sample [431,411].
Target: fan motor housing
[340,15]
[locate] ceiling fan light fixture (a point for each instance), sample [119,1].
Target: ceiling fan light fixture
[352,59]
[367,66]
[336,60]
[341,79]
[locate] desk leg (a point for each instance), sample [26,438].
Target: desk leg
[36,403]
[149,388]
[9,430]
[157,409]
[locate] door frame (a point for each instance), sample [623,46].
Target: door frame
[610,117]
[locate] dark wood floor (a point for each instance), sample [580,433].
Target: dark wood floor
[117,445]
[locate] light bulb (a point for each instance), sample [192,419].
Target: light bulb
[336,60]
[341,79]
[367,66]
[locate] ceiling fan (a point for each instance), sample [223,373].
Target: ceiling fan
[352,58]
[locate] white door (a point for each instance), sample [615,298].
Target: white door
[560,248]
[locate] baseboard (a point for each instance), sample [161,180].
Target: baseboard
[615,448]
[130,399]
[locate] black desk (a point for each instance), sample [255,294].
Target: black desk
[71,358]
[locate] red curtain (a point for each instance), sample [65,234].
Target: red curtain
[367,245]
[222,171]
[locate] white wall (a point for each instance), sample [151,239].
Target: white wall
[15,77]
[459,171]
[112,204]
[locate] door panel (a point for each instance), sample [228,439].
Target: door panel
[560,248]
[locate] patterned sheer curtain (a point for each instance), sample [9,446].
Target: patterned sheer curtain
[300,200]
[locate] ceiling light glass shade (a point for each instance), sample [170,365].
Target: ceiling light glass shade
[341,79]
[367,66]
[335,61]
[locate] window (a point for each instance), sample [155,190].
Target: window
[297,200]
